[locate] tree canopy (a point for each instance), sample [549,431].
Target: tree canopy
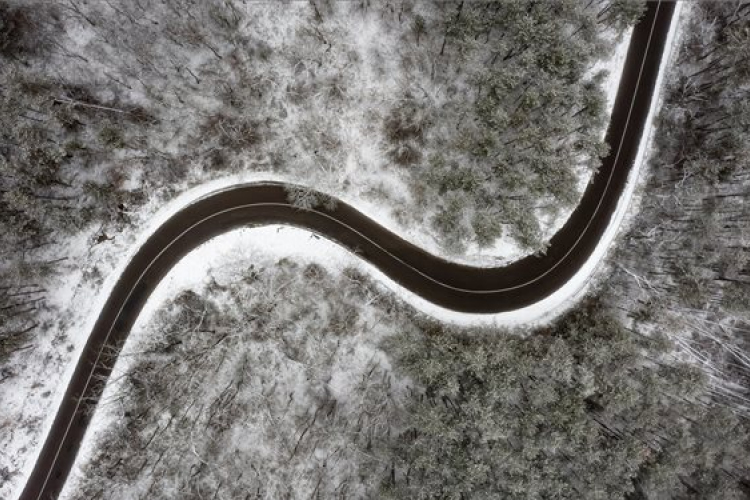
[582,410]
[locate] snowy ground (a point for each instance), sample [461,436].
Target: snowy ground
[28,404]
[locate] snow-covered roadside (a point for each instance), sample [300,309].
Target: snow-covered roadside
[614,67]
[222,253]
[224,259]
[681,17]
[87,299]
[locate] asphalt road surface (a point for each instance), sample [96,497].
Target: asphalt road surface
[454,286]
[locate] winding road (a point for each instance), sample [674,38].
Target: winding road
[454,286]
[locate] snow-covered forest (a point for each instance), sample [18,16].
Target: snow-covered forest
[290,381]
[268,381]
[473,125]
[108,107]
[683,269]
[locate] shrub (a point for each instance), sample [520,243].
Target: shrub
[17,31]
[405,155]
[112,137]
[308,199]
[25,30]
[405,122]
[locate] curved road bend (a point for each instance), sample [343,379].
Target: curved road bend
[454,286]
